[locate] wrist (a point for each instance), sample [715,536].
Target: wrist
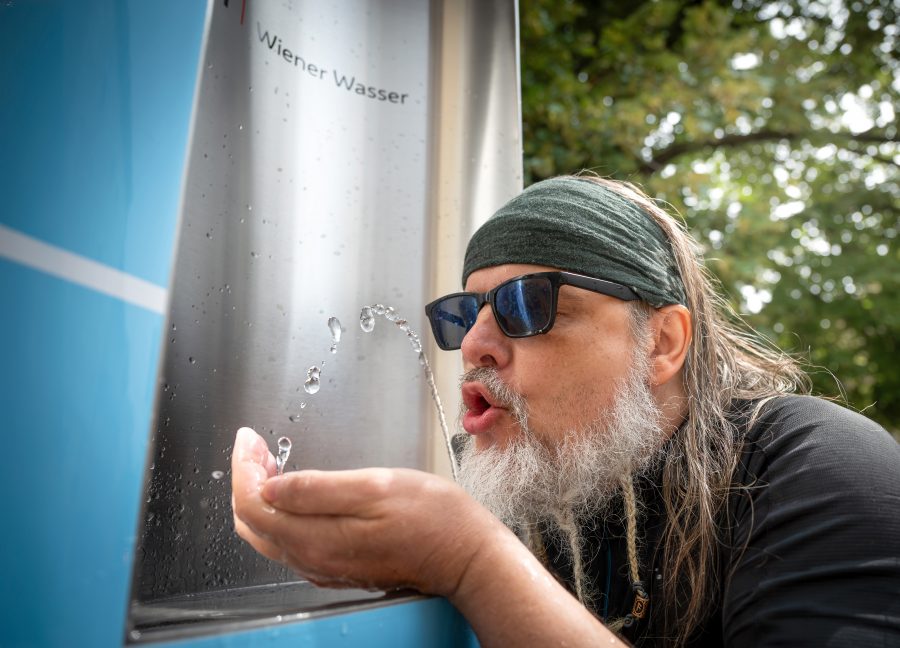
[489,561]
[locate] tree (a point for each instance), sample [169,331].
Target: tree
[770,126]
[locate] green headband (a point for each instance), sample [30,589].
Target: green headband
[580,226]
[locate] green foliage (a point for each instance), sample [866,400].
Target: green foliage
[770,126]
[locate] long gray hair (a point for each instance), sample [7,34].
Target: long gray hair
[726,361]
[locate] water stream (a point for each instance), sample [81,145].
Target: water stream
[284,451]
[367,324]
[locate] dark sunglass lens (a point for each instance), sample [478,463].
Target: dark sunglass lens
[451,318]
[524,306]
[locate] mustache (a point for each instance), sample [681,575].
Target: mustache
[500,392]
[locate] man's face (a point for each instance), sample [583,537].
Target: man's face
[567,377]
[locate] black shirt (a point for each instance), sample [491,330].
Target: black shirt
[812,556]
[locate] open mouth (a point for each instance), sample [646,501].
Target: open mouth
[481,410]
[478,404]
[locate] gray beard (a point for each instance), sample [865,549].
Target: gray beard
[527,484]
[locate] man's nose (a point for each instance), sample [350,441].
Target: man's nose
[485,345]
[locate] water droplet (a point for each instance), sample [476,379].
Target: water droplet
[284,451]
[366,320]
[302,405]
[334,325]
[191,360]
[254,255]
[312,384]
[217,474]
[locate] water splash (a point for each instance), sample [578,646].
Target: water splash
[312,384]
[367,324]
[334,325]
[366,320]
[284,451]
[314,373]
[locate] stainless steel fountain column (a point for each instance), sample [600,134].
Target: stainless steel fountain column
[341,155]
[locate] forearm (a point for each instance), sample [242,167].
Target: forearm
[510,599]
[380,526]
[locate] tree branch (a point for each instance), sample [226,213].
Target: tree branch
[648,167]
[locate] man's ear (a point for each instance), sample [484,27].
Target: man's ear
[672,329]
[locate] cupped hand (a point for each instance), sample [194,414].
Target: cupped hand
[374,528]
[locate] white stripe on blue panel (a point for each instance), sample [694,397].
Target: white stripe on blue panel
[61,263]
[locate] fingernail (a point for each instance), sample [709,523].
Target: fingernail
[243,442]
[271,488]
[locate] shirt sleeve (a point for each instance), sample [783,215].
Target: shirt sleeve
[815,555]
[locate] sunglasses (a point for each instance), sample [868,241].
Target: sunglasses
[523,306]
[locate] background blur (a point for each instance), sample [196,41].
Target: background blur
[771,128]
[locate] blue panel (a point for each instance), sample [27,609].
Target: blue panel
[93,134]
[94,125]
[433,623]
[77,388]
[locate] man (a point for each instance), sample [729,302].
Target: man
[663,484]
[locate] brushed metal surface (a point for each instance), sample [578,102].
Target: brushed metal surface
[244,608]
[305,200]
[476,148]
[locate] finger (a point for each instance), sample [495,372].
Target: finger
[264,546]
[328,550]
[247,479]
[275,552]
[251,464]
[249,446]
[318,545]
[248,473]
[335,492]
[311,547]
